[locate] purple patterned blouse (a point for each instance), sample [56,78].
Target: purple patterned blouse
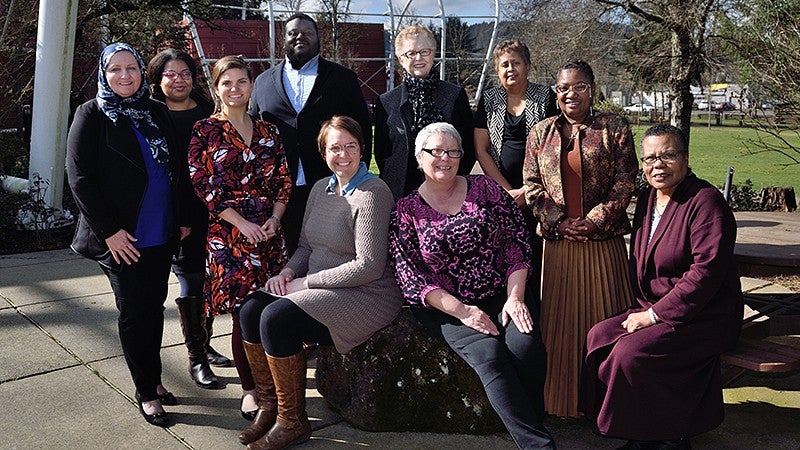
[469,254]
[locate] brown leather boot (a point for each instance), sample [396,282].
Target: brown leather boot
[292,426]
[265,389]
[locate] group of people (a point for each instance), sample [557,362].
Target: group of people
[265,209]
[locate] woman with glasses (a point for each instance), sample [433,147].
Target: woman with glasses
[422,99]
[461,254]
[653,373]
[336,289]
[579,176]
[171,75]
[238,167]
[504,117]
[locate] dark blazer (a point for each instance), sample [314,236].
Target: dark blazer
[336,91]
[108,178]
[393,140]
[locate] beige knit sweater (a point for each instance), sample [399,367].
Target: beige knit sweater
[343,251]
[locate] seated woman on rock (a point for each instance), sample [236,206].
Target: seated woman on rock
[461,255]
[336,289]
[652,373]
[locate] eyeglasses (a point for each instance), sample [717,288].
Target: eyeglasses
[411,54]
[578,88]
[350,149]
[666,158]
[171,74]
[440,152]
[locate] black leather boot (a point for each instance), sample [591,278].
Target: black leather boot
[192,316]
[214,357]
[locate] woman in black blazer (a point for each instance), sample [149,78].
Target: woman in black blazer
[129,187]
[421,100]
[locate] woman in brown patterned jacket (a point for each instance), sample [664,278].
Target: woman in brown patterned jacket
[579,176]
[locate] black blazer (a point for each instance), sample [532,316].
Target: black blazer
[393,141]
[108,177]
[336,91]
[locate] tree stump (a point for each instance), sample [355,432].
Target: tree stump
[403,379]
[778,199]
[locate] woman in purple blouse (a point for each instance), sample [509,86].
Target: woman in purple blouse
[460,253]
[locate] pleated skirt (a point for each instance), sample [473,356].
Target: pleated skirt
[582,284]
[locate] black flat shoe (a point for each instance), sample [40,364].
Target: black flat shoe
[158,419]
[248,415]
[168,399]
[216,359]
[638,445]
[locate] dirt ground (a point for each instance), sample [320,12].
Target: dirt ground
[788,281]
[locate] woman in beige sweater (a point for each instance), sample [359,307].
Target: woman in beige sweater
[336,289]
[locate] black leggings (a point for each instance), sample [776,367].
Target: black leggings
[511,366]
[279,325]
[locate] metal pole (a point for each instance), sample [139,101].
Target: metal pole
[55,44]
[442,51]
[726,192]
[488,51]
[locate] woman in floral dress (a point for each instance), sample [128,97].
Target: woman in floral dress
[238,166]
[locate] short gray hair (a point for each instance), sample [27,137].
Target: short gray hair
[435,128]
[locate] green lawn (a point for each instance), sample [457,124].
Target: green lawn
[712,150]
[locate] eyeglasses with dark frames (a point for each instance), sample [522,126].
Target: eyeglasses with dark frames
[666,158]
[440,152]
[172,74]
[411,54]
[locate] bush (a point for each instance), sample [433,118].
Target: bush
[743,197]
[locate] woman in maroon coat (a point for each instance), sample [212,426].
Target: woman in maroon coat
[652,373]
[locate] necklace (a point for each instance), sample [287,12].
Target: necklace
[573,136]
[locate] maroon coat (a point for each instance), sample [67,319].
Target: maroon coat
[663,382]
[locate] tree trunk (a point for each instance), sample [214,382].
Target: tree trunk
[682,69]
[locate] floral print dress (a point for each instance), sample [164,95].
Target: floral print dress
[226,173]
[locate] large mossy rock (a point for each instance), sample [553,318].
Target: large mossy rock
[402,379]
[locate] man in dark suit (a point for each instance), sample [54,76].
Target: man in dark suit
[298,95]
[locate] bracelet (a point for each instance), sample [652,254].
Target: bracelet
[652,315]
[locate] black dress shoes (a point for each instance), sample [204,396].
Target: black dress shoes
[168,399]
[158,419]
[249,415]
[217,359]
[203,376]
[638,445]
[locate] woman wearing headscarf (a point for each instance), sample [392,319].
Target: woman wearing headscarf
[421,100]
[130,188]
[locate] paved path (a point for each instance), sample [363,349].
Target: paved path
[64,383]
[768,243]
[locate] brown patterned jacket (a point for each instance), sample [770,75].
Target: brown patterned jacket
[608,167]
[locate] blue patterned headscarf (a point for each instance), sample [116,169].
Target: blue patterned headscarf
[136,107]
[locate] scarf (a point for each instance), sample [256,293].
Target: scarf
[420,92]
[136,107]
[361,176]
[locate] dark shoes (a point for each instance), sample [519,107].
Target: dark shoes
[216,359]
[159,419]
[203,376]
[248,415]
[672,444]
[168,399]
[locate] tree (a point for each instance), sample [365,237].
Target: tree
[764,38]
[687,24]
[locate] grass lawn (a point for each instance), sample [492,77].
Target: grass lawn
[712,150]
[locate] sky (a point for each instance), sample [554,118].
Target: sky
[426,7]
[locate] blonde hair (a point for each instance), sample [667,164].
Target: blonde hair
[411,32]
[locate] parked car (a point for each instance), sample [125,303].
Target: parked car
[726,106]
[637,108]
[702,105]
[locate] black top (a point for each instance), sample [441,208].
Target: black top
[512,154]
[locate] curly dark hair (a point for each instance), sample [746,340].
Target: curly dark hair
[581,66]
[155,68]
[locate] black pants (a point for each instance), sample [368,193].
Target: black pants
[140,290]
[281,326]
[511,366]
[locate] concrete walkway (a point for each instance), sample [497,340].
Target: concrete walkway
[64,383]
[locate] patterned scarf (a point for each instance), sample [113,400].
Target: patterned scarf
[420,92]
[136,107]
